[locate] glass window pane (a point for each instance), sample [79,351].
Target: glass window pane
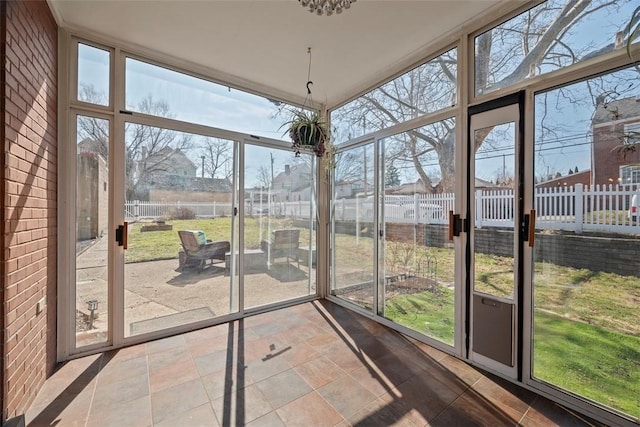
[92,231]
[418,264]
[279,225]
[158,91]
[94,67]
[423,90]
[352,233]
[586,278]
[493,190]
[550,36]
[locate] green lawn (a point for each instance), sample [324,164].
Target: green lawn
[594,362]
[431,313]
[156,245]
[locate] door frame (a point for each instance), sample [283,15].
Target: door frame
[514,100]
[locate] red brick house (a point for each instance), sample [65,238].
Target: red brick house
[613,125]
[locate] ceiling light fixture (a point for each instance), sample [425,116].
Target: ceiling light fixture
[326,7]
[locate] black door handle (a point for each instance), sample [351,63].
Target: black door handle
[121,235]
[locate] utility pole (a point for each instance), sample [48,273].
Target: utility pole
[202,166]
[271,183]
[366,184]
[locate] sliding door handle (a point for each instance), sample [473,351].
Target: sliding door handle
[122,234]
[452,219]
[530,227]
[456,225]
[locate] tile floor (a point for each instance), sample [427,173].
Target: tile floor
[315,364]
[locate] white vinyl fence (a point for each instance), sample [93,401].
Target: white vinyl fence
[577,208]
[140,210]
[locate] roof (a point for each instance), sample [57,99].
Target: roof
[627,108]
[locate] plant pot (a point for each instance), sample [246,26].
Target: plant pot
[304,137]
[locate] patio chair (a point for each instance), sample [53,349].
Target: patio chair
[283,244]
[197,249]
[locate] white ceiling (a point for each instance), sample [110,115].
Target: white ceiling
[262,44]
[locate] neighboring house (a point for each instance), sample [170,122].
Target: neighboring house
[416,187]
[89,145]
[92,190]
[614,124]
[349,188]
[170,176]
[168,161]
[292,184]
[481,184]
[582,177]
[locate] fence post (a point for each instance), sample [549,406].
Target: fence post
[579,207]
[478,208]
[136,209]
[416,209]
[357,220]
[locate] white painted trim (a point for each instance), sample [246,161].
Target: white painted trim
[234,281]
[240,206]
[117,197]
[66,210]
[425,120]
[527,263]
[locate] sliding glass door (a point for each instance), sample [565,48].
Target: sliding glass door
[417,269]
[585,266]
[278,261]
[178,210]
[495,284]
[353,230]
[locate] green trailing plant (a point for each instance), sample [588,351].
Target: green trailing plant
[307,129]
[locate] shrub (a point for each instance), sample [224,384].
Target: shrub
[181,213]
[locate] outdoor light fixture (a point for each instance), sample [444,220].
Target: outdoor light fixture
[326,7]
[92,305]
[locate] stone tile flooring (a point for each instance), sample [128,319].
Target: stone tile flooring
[315,364]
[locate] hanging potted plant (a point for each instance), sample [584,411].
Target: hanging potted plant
[307,130]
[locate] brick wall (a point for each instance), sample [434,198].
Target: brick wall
[29,149]
[607,160]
